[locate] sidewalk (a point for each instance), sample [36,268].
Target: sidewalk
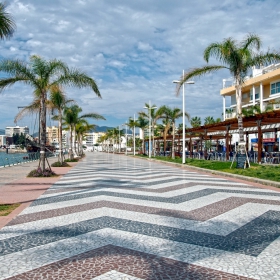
[15,187]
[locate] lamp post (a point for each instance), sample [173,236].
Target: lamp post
[184,126]
[119,138]
[149,110]
[134,137]
[125,138]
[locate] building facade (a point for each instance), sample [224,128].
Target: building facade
[53,138]
[2,140]
[262,88]
[92,138]
[11,130]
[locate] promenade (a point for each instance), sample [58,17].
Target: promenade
[118,217]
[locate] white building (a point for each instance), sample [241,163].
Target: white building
[92,138]
[11,130]
[2,140]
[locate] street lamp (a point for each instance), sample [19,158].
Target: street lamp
[149,109]
[184,126]
[134,137]
[119,138]
[125,138]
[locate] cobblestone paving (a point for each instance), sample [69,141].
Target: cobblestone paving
[116,217]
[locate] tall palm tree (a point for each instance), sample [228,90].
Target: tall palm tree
[42,75]
[82,127]
[58,102]
[71,118]
[142,123]
[209,120]
[172,114]
[131,125]
[7,24]
[238,58]
[155,115]
[195,121]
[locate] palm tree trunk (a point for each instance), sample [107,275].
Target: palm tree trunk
[43,131]
[239,111]
[173,140]
[60,137]
[71,144]
[75,147]
[164,142]
[153,143]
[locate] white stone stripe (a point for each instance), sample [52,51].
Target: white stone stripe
[132,176]
[115,275]
[169,194]
[185,206]
[103,180]
[219,225]
[261,267]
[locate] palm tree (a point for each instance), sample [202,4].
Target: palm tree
[166,124]
[142,123]
[7,24]
[209,120]
[81,128]
[172,115]
[42,75]
[71,118]
[58,102]
[195,121]
[238,58]
[131,125]
[155,115]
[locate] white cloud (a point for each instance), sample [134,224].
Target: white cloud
[134,49]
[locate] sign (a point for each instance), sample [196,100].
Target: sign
[241,160]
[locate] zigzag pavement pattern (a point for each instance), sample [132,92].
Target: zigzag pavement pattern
[116,217]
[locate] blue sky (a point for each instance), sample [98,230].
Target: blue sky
[133,49]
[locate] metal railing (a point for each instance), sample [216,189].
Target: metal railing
[14,159]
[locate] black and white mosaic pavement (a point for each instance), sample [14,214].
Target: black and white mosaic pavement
[117,217]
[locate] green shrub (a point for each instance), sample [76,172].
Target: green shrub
[72,160]
[59,164]
[40,173]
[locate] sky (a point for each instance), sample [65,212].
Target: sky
[133,50]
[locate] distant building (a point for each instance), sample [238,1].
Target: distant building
[52,136]
[11,130]
[92,138]
[2,140]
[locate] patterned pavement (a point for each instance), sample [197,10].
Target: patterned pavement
[116,217]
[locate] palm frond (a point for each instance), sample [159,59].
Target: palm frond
[197,72]
[7,23]
[92,116]
[251,41]
[78,79]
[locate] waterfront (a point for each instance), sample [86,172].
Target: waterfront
[13,158]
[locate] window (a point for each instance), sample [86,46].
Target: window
[257,93]
[275,88]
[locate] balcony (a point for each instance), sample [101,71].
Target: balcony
[230,113]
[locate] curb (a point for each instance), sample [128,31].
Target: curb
[225,174]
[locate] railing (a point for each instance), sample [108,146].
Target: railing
[14,159]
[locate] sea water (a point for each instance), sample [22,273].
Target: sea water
[12,159]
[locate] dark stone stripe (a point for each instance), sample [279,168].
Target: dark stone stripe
[121,182]
[250,239]
[201,214]
[174,200]
[141,265]
[160,190]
